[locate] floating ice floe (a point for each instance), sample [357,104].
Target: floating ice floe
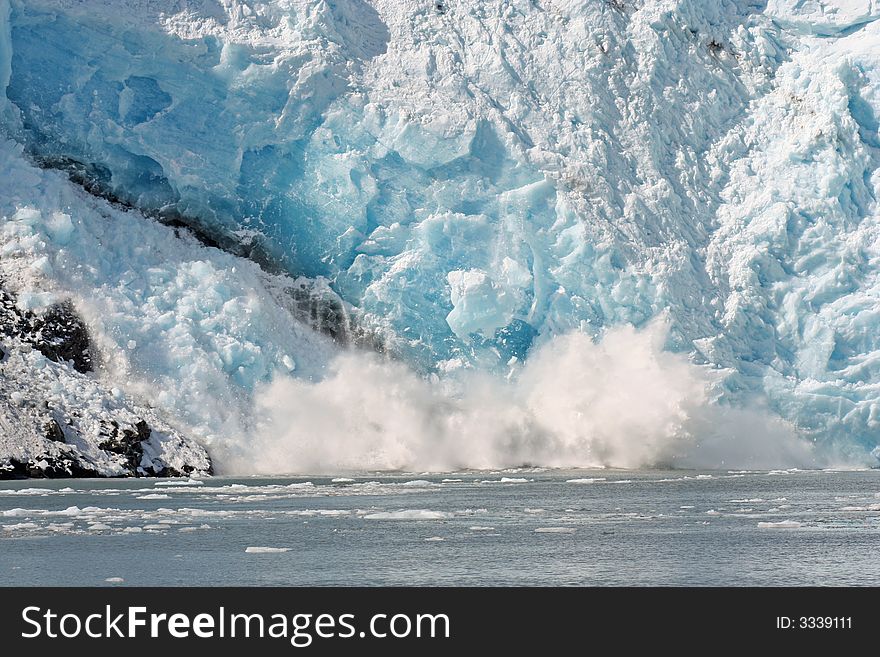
[20,526]
[266,550]
[409,514]
[782,524]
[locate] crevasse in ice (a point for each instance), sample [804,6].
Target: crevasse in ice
[474,178]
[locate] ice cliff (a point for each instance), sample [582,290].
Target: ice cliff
[465,184]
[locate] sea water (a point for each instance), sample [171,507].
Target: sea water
[513,527]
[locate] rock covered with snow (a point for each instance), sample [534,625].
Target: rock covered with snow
[56,421]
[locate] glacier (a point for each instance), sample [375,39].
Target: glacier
[472,186]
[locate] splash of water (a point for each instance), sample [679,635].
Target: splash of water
[621,401]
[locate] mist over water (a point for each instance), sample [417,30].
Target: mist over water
[621,401]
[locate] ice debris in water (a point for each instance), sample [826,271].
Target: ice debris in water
[782,524]
[409,514]
[266,550]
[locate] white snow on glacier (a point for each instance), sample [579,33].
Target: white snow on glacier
[487,186]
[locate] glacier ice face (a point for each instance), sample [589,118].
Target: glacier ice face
[477,180]
[795,252]
[386,146]
[161,87]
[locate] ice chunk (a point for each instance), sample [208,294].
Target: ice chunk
[479,305]
[409,514]
[20,526]
[266,550]
[60,227]
[782,524]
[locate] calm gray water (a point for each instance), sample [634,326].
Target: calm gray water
[524,527]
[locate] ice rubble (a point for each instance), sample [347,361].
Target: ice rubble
[472,180]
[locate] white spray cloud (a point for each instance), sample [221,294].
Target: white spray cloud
[621,401]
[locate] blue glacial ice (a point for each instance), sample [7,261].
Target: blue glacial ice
[476,181]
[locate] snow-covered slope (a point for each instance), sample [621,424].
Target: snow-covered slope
[472,179]
[56,420]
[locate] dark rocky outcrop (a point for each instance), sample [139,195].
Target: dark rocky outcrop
[53,431]
[46,467]
[128,443]
[59,333]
